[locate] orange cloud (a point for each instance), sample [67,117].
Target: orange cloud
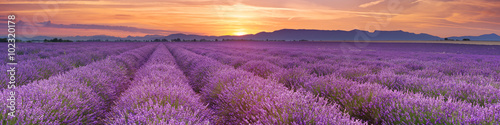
[227,17]
[371,3]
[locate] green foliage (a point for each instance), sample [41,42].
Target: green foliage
[57,40]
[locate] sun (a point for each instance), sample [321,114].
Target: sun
[240,33]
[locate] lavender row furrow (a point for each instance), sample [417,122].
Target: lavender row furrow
[32,70]
[159,94]
[80,96]
[239,97]
[375,103]
[35,51]
[473,69]
[451,89]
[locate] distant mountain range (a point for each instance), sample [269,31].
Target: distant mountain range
[291,34]
[294,34]
[485,37]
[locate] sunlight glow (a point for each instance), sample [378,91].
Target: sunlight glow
[240,33]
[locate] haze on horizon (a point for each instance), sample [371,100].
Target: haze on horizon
[443,18]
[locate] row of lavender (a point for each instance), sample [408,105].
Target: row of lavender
[112,92]
[477,83]
[370,102]
[81,96]
[159,94]
[36,69]
[395,73]
[26,51]
[30,51]
[239,97]
[448,64]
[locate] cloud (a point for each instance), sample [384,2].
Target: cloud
[417,1]
[105,27]
[221,17]
[371,3]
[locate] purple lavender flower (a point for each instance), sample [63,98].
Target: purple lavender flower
[156,98]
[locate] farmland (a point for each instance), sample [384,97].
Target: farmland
[254,83]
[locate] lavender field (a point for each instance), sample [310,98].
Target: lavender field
[254,83]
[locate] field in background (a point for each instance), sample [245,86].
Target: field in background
[391,82]
[449,42]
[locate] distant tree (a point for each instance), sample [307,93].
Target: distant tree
[57,40]
[176,40]
[466,39]
[446,39]
[3,40]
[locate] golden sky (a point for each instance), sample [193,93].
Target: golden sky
[122,18]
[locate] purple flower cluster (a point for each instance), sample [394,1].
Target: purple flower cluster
[376,104]
[32,70]
[261,68]
[33,51]
[77,97]
[432,87]
[239,97]
[258,83]
[159,94]
[449,95]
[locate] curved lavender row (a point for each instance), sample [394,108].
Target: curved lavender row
[450,89]
[159,94]
[473,69]
[369,106]
[77,97]
[377,104]
[110,77]
[238,97]
[290,78]
[472,93]
[236,57]
[454,90]
[487,65]
[449,64]
[32,70]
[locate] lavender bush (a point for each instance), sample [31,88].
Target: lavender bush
[254,83]
[32,70]
[239,97]
[69,98]
[156,98]
[464,94]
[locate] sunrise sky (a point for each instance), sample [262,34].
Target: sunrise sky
[121,18]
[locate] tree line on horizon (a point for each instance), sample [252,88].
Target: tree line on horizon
[171,40]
